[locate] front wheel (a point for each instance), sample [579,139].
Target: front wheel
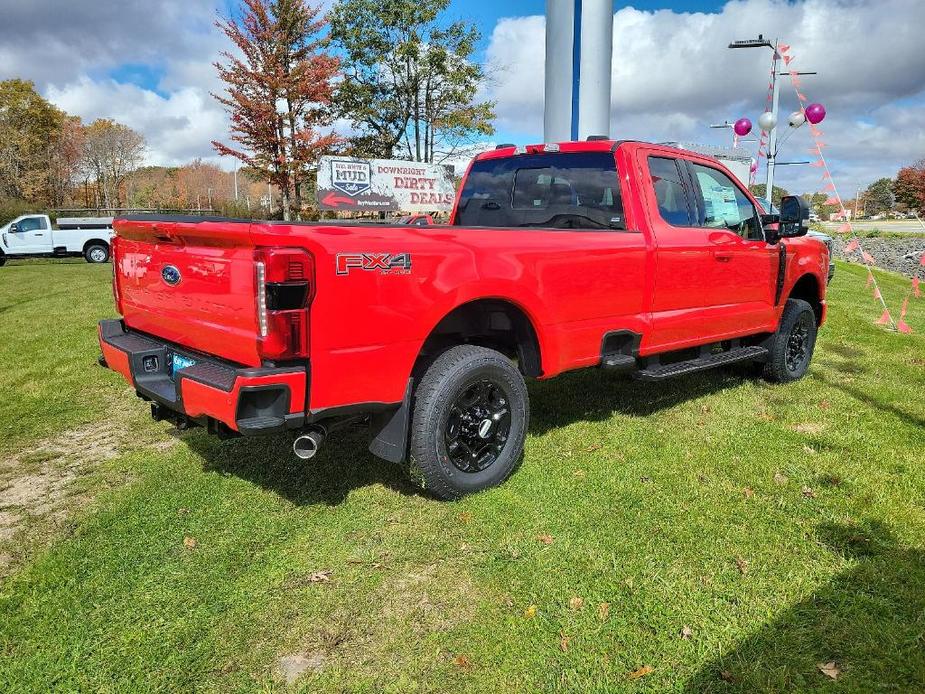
[97,253]
[2,260]
[469,421]
[790,349]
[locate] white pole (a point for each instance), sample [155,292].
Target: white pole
[579,54]
[772,136]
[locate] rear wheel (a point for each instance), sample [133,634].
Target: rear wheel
[96,253]
[469,421]
[791,347]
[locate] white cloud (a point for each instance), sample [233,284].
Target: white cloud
[673,75]
[178,127]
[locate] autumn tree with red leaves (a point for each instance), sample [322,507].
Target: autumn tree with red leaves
[278,92]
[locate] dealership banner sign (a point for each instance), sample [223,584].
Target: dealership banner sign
[370,185]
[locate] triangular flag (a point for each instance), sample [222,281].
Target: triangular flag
[818,164]
[793,72]
[868,258]
[844,229]
[825,175]
[852,246]
[885,318]
[787,59]
[761,154]
[922,260]
[902,311]
[783,47]
[916,292]
[877,294]
[870,279]
[796,82]
[903,328]
[801,96]
[829,186]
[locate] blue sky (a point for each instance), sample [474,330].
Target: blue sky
[148,63]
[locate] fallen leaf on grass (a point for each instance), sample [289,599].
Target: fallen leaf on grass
[808,492]
[564,642]
[594,447]
[530,612]
[580,474]
[780,479]
[830,669]
[640,672]
[748,492]
[603,611]
[576,603]
[824,405]
[320,576]
[462,662]
[742,565]
[465,517]
[189,542]
[545,538]
[686,632]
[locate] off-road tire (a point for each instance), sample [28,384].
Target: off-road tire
[436,399]
[2,260]
[797,325]
[96,253]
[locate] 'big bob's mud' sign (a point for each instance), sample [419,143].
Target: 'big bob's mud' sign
[346,183]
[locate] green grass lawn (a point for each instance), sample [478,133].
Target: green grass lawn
[728,534]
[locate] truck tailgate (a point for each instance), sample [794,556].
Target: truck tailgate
[191,283]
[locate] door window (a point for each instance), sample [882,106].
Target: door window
[31,223]
[725,205]
[674,204]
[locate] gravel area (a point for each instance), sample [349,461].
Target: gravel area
[898,255]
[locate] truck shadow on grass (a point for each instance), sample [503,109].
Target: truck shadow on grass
[344,463]
[868,620]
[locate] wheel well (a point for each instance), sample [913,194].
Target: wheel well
[95,242]
[807,288]
[492,323]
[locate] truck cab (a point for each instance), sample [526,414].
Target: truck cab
[27,235]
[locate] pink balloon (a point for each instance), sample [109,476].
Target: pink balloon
[742,127]
[815,113]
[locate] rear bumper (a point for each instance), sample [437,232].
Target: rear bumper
[212,392]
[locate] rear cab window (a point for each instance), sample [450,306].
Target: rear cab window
[552,190]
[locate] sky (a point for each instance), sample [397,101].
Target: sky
[149,64]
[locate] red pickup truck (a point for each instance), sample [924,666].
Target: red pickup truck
[609,254]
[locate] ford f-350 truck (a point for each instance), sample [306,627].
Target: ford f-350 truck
[626,256]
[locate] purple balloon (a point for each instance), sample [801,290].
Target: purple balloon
[815,113]
[742,127]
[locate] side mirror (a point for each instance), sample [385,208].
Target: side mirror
[14,228]
[794,211]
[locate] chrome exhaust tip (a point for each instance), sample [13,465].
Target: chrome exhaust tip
[306,445]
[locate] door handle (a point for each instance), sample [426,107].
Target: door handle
[722,256]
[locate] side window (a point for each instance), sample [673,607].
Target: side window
[31,223]
[725,205]
[674,205]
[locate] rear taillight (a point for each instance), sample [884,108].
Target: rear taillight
[114,259]
[285,287]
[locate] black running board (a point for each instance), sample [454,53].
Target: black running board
[661,372]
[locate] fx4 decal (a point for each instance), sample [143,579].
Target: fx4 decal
[384,263]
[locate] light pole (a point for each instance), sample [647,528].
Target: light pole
[762,42]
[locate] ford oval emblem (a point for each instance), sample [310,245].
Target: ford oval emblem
[171,275]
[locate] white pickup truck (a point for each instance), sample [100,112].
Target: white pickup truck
[32,235]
